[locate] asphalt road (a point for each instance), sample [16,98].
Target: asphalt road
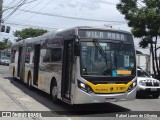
[23,99]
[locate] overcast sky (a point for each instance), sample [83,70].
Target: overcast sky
[103,10]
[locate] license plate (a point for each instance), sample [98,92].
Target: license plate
[110,100]
[153,89]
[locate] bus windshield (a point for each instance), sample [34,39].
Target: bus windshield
[107,59]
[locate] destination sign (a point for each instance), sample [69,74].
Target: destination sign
[104,35]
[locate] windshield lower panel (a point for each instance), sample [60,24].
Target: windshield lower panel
[107,59]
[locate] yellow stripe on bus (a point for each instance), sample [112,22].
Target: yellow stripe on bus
[109,88]
[126,72]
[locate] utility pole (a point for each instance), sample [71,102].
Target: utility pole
[1,3]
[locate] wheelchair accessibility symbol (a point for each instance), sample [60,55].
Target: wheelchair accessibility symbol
[114,73]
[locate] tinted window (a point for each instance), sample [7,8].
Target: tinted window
[27,55]
[53,55]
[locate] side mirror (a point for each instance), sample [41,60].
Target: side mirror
[76,48]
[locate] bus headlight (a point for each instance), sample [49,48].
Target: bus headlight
[84,87]
[132,86]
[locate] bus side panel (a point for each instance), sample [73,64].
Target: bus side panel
[50,65]
[27,69]
[16,63]
[22,64]
[11,69]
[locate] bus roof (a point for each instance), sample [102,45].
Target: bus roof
[59,31]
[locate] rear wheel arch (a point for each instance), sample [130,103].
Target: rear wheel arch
[29,80]
[53,82]
[54,90]
[29,75]
[13,71]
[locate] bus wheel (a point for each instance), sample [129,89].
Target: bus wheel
[54,93]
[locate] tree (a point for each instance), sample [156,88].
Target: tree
[5,43]
[144,19]
[28,33]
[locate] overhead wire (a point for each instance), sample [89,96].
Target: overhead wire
[66,16]
[61,16]
[38,10]
[109,3]
[6,12]
[29,3]
[26,25]
[17,4]
[13,3]
[34,6]
[7,2]
[14,10]
[7,8]
[70,17]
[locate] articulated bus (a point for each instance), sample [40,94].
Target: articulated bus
[80,65]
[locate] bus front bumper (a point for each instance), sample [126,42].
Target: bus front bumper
[82,97]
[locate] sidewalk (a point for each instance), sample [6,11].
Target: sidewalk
[12,98]
[7,100]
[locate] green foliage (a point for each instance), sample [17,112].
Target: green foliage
[144,43]
[28,33]
[5,43]
[143,17]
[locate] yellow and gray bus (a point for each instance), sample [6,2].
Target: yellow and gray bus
[80,65]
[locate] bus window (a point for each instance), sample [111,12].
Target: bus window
[27,55]
[51,60]
[46,57]
[53,55]
[13,53]
[56,54]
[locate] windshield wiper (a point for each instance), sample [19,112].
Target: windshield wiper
[100,49]
[117,52]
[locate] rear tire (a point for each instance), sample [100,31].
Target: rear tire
[54,93]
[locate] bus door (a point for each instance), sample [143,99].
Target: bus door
[22,64]
[19,60]
[67,70]
[36,63]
